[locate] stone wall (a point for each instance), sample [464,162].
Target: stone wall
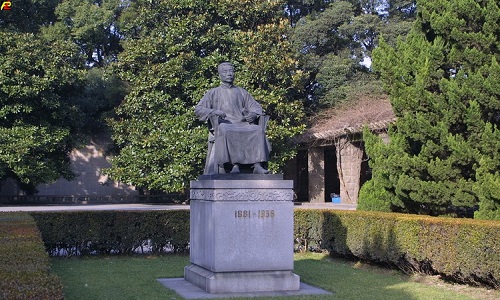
[349,158]
[316,169]
[88,164]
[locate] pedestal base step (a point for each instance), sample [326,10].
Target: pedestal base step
[241,282]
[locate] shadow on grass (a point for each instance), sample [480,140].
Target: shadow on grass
[346,282]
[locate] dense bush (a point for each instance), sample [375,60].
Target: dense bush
[114,232]
[464,250]
[24,265]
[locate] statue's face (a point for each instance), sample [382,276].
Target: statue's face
[226,73]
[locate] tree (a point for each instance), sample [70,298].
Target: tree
[37,79]
[92,25]
[297,9]
[170,58]
[336,42]
[443,81]
[28,15]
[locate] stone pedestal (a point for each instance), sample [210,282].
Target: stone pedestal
[242,234]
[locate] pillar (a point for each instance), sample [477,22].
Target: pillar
[316,169]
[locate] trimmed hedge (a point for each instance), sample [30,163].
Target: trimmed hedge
[464,250]
[114,232]
[24,265]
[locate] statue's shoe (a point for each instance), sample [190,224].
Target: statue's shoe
[235,170]
[258,169]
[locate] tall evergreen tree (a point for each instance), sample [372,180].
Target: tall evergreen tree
[170,58]
[443,81]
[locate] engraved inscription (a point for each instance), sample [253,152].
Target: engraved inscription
[268,213]
[260,214]
[242,214]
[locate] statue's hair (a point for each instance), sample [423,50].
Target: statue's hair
[226,63]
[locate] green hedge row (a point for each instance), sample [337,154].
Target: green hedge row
[114,232]
[24,264]
[464,250]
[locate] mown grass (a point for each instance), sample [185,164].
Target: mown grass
[134,277]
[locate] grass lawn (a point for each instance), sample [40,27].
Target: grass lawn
[134,277]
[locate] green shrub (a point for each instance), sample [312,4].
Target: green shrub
[464,250]
[24,265]
[370,198]
[114,232]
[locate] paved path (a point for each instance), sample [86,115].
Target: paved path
[139,206]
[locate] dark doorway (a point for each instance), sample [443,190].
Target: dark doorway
[366,172]
[332,182]
[302,184]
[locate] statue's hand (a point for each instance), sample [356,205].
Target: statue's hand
[219,113]
[251,117]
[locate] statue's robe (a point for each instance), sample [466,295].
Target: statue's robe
[237,141]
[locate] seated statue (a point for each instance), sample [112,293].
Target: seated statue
[236,137]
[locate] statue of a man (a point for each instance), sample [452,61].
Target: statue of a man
[238,140]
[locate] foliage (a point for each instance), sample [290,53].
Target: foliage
[336,41]
[412,243]
[24,265]
[37,80]
[47,94]
[92,27]
[297,9]
[170,58]
[371,198]
[101,94]
[114,232]
[90,24]
[443,83]
[28,16]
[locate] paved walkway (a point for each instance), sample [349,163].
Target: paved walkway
[139,206]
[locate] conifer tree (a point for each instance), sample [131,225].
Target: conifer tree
[443,82]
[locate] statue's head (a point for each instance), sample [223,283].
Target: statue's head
[226,72]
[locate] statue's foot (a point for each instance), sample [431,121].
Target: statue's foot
[258,169]
[235,170]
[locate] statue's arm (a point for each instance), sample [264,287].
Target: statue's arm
[252,108]
[203,110]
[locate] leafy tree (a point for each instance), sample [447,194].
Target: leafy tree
[297,9]
[336,42]
[170,58]
[37,79]
[102,92]
[28,15]
[443,80]
[92,25]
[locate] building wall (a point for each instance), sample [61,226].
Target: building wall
[345,176]
[88,164]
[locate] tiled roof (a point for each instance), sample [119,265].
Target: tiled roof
[349,118]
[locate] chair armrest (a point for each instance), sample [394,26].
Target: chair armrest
[213,123]
[263,120]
